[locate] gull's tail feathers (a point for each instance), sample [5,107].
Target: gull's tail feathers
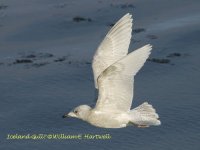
[144,116]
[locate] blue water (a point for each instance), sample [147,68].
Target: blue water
[33,99]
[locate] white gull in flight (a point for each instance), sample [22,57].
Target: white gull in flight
[114,70]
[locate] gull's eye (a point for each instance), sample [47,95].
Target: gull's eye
[75,111]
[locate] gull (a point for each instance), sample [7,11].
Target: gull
[114,70]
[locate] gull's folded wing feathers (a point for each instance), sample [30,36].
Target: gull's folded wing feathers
[114,46]
[116,82]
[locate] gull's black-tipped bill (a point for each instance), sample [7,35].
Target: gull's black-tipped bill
[65,116]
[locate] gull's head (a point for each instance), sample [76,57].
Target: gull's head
[80,112]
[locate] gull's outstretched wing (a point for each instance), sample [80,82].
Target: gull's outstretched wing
[116,82]
[114,46]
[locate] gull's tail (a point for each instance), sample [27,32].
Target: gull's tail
[144,116]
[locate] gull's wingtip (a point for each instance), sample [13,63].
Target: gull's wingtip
[148,47]
[128,15]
